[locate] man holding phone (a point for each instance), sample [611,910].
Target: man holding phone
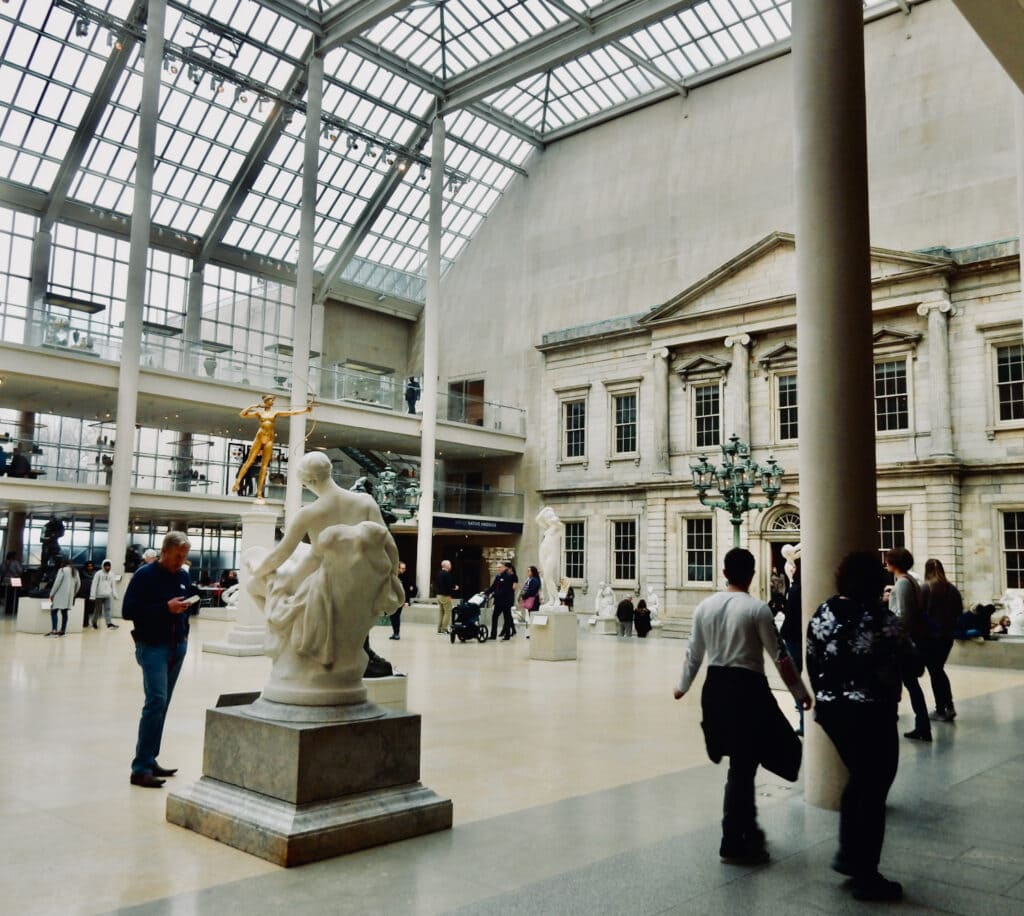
[157,602]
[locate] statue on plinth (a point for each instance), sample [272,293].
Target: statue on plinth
[263,445]
[654,606]
[549,555]
[322,598]
[605,603]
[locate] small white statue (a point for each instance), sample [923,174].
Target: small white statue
[790,553]
[321,598]
[654,606]
[605,603]
[1013,606]
[549,554]
[229,597]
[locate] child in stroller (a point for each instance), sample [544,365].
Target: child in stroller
[466,620]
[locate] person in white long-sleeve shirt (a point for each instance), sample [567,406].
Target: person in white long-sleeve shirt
[741,719]
[104,591]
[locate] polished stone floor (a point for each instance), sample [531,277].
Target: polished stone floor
[579,787]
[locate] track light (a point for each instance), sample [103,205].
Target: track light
[288,116]
[423,173]
[194,74]
[240,95]
[82,27]
[351,143]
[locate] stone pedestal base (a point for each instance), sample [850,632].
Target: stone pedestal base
[553,636]
[218,612]
[389,692]
[240,641]
[32,618]
[605,626]
[294,791]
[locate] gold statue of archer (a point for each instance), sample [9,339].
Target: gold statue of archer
[263,444]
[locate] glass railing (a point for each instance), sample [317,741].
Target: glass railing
[455,500]
[269,371]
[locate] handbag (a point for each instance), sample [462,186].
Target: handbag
[529,603]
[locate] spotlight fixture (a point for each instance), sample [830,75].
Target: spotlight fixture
[351,143]
[217,83]
[423,173]
[81,27]
[403,164]
[194,74]
[240,95]
[261,101]
[288,116]
[371,152]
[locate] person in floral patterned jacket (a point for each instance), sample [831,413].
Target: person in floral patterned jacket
[856,652]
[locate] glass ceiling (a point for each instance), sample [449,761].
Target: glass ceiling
[511,76]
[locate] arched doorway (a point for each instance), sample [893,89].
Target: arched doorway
[781,527]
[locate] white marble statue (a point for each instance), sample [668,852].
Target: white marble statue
[321,598]
[549,555]
[1013,607]
[653,605]
[790,553]
[230,596]
[604,603]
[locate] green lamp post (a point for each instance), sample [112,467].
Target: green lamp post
[735,480]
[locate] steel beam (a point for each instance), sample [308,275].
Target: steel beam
[557,46]
[254,161]
[348,19]
[361,228]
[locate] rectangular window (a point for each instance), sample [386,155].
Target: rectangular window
[787,407]
[625,423]
[700,560]
[1013,548]
[574,560]
[891,532]
[706,415]
[1010,382]
[891,401]
[624,550]
[574,424]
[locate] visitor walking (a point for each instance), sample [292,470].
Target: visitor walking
[103,594]
[943,606]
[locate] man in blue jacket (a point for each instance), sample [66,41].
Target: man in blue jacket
[157,602]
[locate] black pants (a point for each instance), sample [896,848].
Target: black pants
[739,812]
[917,703]
[867,740]
[396,621]
[506,622]
[935,653]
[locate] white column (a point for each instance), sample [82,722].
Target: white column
[661,357]
[131,345]
[304,286]
[193,324]
[738,387]
[939,399]
[248,635]
[431,362]
[39,281]
[1019,110]
[834,324]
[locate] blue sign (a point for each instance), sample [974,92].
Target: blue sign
[477,524]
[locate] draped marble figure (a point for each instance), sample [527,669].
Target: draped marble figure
[321,598]
[549,554]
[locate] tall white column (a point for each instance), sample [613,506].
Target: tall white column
[39,281]
[738,387]
[834,326]
[939,398]
[431,362]
[193,324]
[304,286]
[131,345]
[661,357]
[1019,110]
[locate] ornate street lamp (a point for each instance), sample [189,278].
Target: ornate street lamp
[734,480]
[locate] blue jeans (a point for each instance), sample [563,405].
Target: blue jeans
[160,666]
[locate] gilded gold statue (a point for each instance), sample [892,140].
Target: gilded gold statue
[263,444]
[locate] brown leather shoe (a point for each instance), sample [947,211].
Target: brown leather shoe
[146,780]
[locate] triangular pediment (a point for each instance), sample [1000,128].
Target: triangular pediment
[782,355]
[765,273]
[890,339]
[702,365]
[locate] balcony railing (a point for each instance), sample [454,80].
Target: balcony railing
[269,371]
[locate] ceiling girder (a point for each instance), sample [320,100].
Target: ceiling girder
[349,19]
[374,207]
[113,69]
[254,161]
[556,46]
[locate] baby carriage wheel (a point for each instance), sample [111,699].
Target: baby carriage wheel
[451,634]
[481,634]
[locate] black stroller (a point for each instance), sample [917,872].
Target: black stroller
[466,620]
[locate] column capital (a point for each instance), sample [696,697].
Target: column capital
[743,340]
[937,305]
[661,353]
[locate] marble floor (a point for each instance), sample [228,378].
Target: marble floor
[578,787]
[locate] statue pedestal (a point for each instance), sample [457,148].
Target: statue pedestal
[605,626]
[33,617]
[553,635]
[294,792]
[247,637]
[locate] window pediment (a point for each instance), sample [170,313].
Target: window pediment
[888,340]
[781,357]
[702,367]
